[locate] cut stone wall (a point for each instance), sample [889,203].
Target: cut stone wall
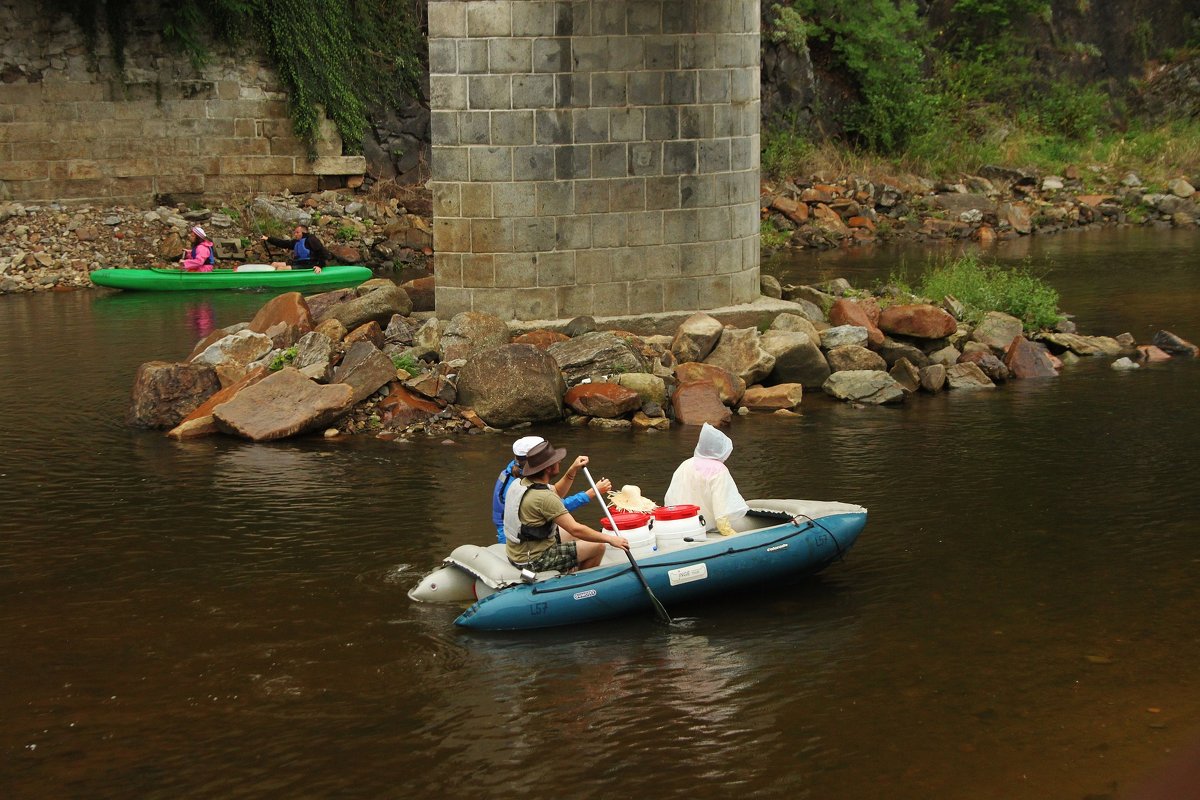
[74,128]
[594,157]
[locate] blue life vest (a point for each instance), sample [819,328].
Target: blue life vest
[300,249]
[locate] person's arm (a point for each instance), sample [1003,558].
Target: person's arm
[192,263]
[563,485]
[580,499]
[277,242]
[320,255]
[584,533]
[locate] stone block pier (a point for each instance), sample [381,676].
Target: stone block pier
[595,157]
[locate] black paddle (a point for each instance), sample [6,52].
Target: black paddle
[659,609]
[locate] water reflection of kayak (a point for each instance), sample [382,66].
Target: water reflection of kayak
[783,539]
[248,276]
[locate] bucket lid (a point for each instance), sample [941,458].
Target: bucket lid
[676,512]
[626,522]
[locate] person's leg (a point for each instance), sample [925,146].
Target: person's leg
[589,553]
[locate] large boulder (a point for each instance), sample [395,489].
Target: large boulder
[997,330]
[851,357]
[1174,345]
[541,338]
[379,304]
[318,304]
[364,369]
[316,355]
[469,332]
[281,405]
[696,337]
[1083,345]
[512,384]
[398,332]
[740,351]
[933,378]
[164,393]
[288,314]
[1025,359]
[216,336]
[798,359]
[921,321]
[906,374]
[850,312]
[421,292]
[607,400]
[893,350]
[794,323]
[368,332]
[698,403]
[967,375]
[729,387]
[200,422]
[241,348]
[773,398]
[596,354]
[842,335]
[810,301]
[650,388]
[873,387]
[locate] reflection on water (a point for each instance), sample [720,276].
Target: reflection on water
[216,618]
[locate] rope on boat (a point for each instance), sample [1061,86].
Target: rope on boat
[837,545]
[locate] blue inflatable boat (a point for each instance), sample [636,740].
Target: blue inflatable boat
[779,539]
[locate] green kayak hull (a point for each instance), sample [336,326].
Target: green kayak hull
[176,280]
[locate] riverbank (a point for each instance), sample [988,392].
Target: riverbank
[55,247]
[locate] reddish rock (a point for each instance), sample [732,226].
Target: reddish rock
[793,210]
[290,309]
[985,235]
[830,219]
[607,400]
[318,304]
[697,403]
[814,195]
[1025,359]
[541,339]
[729,387]
[860,221]
[850,312]
[773,398]
[992,366]
[421,292]
[164,393]
[344,254]
[200,422]
[1151,354]
[403,407]
[921,321]
[370,332]
[282,404]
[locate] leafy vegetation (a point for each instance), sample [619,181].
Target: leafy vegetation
[407,363]
[982,286]
[283,359]
[771,236]
[337,58]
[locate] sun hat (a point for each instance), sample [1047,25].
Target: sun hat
[629,498]
[196,229]
[522,446]
[542,456]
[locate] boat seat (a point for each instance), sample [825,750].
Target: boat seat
[254,268]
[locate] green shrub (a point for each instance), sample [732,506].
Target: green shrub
[407,363]
[346,232]
[983,287]
[283,359]
[771,236]
[785,151]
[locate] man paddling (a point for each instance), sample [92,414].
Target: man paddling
[521,448]
[307,250]
[541,534]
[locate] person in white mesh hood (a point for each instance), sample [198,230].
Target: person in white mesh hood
[704,480]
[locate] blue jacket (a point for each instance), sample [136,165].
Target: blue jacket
[506,477]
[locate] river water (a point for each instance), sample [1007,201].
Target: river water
[223,619]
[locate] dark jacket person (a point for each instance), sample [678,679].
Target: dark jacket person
[307,249]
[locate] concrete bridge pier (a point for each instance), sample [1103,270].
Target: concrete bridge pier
[595,157]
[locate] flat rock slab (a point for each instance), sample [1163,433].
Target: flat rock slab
[874,387]
[282,405]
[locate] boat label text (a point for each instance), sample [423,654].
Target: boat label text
[694,572]
[584,595]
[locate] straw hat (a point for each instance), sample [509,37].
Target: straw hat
[629,498]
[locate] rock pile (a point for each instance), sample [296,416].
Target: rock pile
[999,203]
[363,361]
[56,247]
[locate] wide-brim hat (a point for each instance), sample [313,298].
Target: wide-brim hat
[629,498]
[542,456]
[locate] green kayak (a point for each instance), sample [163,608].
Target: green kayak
[175,280]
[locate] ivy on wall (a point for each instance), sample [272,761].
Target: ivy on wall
[344,56]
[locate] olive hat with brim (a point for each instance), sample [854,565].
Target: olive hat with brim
[542,456]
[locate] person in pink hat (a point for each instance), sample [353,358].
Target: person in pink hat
[199,255]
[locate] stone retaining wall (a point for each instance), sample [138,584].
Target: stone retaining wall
[594,157]
[73,128]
